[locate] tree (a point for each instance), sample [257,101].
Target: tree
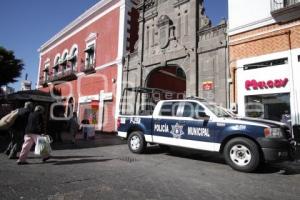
[10,67]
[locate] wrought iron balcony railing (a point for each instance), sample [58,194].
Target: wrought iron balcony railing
[281,4]
[285,10]
[88,68]
[66,75]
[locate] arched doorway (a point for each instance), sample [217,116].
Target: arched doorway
[169,83]
[70,106]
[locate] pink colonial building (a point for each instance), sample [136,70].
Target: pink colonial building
[82,63]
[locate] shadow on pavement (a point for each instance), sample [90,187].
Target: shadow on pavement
[100,140]
[65,157]
[285,168]
[155,149]
[196,155]
[70,162]
[81,161]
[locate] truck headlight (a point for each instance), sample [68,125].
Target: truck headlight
[273,133]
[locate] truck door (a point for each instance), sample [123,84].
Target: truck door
[167,116]
[198,128]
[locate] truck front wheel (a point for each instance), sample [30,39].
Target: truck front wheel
[242,154]
[136,142]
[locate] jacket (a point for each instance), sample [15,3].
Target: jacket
[35,123]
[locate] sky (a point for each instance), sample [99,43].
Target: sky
[27,24]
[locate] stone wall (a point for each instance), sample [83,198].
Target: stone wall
[179,34]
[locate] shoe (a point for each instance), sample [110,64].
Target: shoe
[45,159]
[22,163]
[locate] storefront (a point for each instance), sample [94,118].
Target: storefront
[97,109]
[265,88]
[89,109]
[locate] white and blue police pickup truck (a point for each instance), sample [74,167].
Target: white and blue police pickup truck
[197,124]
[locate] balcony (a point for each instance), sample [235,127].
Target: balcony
[67,75]
[285,10]
[88,68]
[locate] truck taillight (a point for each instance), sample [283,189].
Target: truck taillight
[119,122]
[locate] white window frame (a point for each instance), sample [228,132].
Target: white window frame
[90,41]
[55,63]
[46,71]
[71,54]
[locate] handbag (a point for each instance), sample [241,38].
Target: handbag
[42,146]
[8,120]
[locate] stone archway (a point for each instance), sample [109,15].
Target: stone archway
[170,82]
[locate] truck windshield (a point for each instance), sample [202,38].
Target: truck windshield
[218,110]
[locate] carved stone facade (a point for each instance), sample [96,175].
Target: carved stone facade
[176,34]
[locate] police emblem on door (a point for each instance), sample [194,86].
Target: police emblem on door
[177,131]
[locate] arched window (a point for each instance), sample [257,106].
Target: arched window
[65,56]
[56,64]
[64,60]
[73,57]
[46,72]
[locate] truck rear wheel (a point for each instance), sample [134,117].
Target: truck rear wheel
[242,154]
[136,142]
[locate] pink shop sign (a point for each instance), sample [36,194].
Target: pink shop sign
[270,84]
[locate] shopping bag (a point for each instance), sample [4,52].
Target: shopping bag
[8,120]
[42,146]
[91,132]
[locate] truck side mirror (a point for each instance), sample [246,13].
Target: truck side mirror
[201,115]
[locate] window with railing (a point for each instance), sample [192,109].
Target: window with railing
[64,62]
[73,59]
[56,66]
[280,4]
[46,75]
[90,56]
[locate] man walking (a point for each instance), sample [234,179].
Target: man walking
[17,131]
[34,128]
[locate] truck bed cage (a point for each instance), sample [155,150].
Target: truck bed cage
[196,98]
[140,91]
[147,90]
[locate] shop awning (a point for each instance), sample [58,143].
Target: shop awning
[30,95]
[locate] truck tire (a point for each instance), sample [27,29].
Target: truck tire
[242,154]
[136,142]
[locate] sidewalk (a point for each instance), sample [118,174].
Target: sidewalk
[100,139]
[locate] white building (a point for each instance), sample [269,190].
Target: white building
[264,45]
[26,85]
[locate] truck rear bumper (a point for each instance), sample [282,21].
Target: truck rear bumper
[276,150]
